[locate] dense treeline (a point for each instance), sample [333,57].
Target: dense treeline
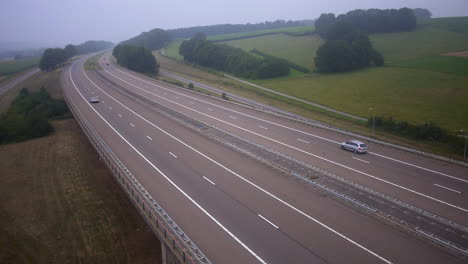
[183,33]
[152,40]
[93,46]
[135,58]
[427,131]
[28,116]
[370,21]
[422,13]
[230,59]
[346,49]
[54,57]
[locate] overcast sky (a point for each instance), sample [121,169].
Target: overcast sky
[58,22]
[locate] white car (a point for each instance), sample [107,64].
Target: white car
[354,146]
[94,99]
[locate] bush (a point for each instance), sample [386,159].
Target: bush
[230,59]
[137,59]
[28,116]
[190,86]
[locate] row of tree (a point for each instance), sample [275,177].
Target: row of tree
[183,33]
[136,58]
[346,49]
[54,57]
[152,40]
[370,21]
[28,116]
[230,59]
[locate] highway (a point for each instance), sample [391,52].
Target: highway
[239,211]
[19,79]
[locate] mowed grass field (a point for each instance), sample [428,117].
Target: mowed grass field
[298,30]
[416,85]
[300,50]
[412,95]
[14,66]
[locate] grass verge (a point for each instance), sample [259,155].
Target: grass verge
[15,66]
[92,63]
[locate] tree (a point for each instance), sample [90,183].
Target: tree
[52,58]
[70,51]
[136,58]
[422,13]
[324,22]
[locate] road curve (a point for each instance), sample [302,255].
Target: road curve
[235,209]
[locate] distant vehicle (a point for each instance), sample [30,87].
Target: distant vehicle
[94,99]
[354,146]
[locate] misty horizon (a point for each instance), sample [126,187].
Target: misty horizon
[29,24]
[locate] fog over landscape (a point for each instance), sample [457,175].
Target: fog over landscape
[32,23]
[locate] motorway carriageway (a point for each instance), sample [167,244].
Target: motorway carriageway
[235,209]
[435,186]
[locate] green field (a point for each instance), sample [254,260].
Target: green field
[14,66]
[453,24]
[412,95]
[426,41]
[416,85]
[445,64]
[173,50]
[297,30]
[300,50]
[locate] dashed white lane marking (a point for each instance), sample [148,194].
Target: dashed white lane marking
[132,125]
[102,101]
[268,221]
[234,173]
[172,154]
[447,188]
[119,115]
[266,128]
[300,131]
[110,108]
[233,117]
[210,109]
[301,140]
[191,102]
[361,160]
[149,137]
[176,97]
[208,180]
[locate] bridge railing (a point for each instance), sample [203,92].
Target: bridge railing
[157,219]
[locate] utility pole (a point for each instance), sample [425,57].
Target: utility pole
[466,138]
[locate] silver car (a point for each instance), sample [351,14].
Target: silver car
[94,99]
[354,146]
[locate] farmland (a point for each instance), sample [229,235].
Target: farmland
[14,66]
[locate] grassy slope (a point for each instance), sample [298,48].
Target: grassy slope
[59,203]
[251,33]
[405,94]
[445,64]
[300,50]
[14,66]
[425,41]
[173,50]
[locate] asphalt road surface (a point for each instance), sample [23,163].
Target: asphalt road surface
[239,211]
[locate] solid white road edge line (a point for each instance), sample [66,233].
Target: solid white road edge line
[249,182]
[268,221]
[290,128]
[167,178]
[298,149]
[450,189]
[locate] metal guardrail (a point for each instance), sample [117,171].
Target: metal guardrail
[157,219]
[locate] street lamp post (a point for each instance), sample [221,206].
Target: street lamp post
[466,138]
[373,119]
